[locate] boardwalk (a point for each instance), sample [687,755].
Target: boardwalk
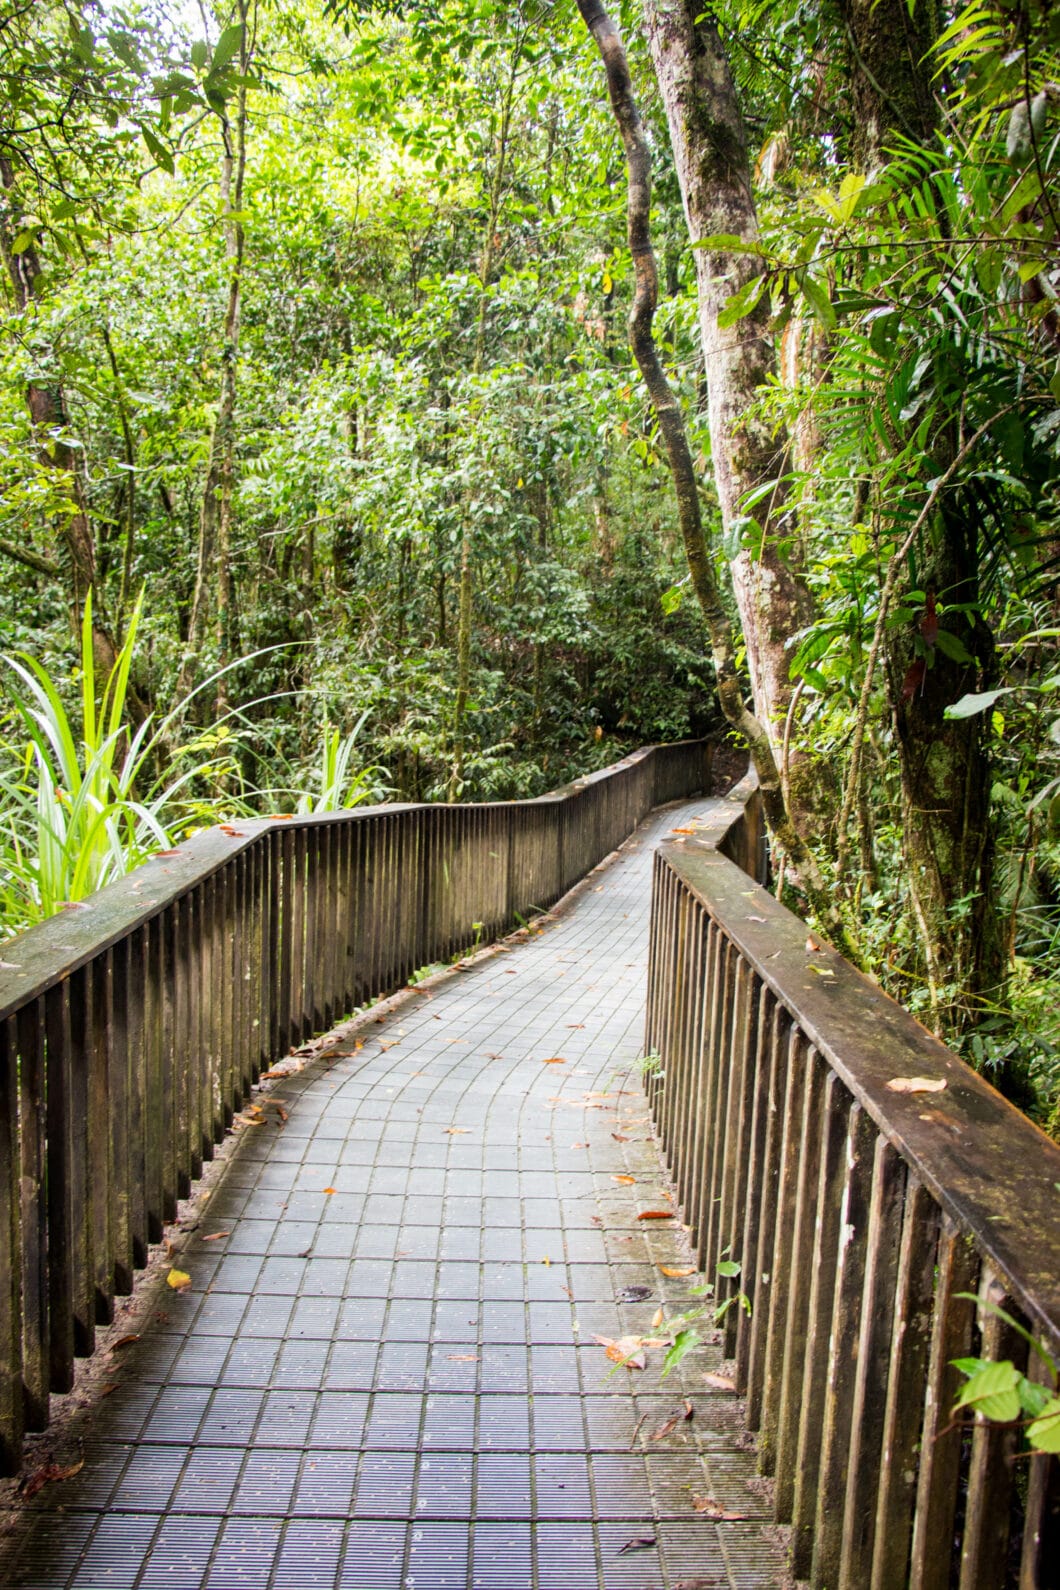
[383,1375]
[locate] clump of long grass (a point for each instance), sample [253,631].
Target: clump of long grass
[81,802]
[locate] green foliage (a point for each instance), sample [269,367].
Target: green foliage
[82,805]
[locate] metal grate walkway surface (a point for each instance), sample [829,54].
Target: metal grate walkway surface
[383,1375]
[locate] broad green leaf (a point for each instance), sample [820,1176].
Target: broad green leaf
[1044,1433]
[969,706]
[228,47]
[741,304]
[991,1391]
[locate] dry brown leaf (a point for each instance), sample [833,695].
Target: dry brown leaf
[462,1358]
[579,1145]
[689,1410]
[331,1189]
[710,1509]
[215,1236]
[628,1350]
[682,830]
[576,1024]
[48,1475]
[656,1214]
[554,1060]
[721,1382]
[657,1319]
[125,1341]
[179,1280]
[619,1138]
[916,1084]
[457,1131]
[676,1272]
[627,1181]
[236,833]
[640,1543]
[666,1428]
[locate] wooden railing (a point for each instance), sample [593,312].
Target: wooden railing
[132,1027]
[879,1197]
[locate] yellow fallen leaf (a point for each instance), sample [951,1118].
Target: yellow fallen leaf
[657,1319]
[554,1060]
[916,1084]
[676,1272]
[179,1280]
[721,1382]
[627,1181]
[331,1189]
[457,1131]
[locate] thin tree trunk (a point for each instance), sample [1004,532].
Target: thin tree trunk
[213,578]
[51,422]
[487,260]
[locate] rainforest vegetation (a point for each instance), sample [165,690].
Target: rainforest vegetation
[327,472]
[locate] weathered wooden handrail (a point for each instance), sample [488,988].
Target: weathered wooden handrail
[861,1213]
[132,1027]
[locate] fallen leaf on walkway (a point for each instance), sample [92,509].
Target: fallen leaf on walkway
[916,1084]
[689,1410]
[125,1341]
[568,1291]
[720,1382]
[554,1060]
[331,1189]
[628,1350]
[236,833]
[575,1024]
[179,1280]
[547,1262]
[641,1543]
[579,1145]
[682,830]
[215,1236]
[627,1181]
[656,1214]
[462,1358]
[395,1041]
[710,1509]
[756,919]
[634,1294]
[666,1428]
[457,1131]
[676,1272]
[619,1138]
[658,1319]
[47,1475]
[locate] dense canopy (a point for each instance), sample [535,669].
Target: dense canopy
[321,436]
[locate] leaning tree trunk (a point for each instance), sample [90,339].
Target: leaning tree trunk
[710,151]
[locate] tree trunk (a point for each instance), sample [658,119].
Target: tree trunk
[213,577]
[671,425]
[487,260]
[710,151]
[890,84]
[51,423]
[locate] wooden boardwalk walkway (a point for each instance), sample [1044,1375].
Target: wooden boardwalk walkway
[384,1373]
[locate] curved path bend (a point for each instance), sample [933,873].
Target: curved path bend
[383,1375]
